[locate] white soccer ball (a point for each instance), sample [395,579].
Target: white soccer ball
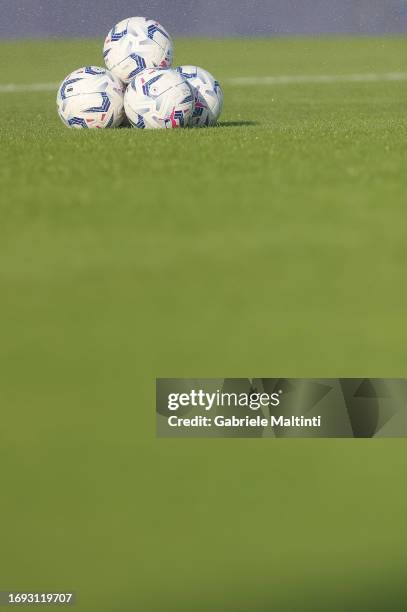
[91,97]
[159,99]
[208,95]
[137,44]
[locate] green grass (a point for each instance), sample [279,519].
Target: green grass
[273,245]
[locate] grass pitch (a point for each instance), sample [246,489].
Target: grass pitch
[272,245]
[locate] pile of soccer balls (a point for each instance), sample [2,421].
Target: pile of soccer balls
[139,84]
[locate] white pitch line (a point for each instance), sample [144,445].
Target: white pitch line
[16,88]
[320,78]
[368,77]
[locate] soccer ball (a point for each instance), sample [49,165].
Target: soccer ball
[159,99]
[208,95]
[91,97]
[137,44]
